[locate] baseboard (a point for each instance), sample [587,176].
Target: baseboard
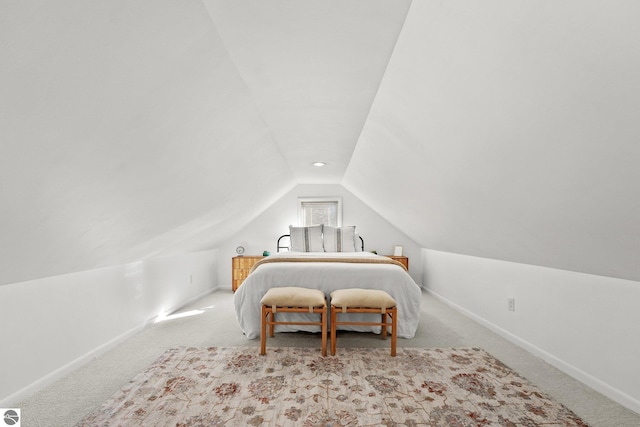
[580,375]
[13,399]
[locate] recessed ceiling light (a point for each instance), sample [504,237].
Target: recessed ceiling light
[319,164]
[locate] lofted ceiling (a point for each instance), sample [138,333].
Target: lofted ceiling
[509,130]
[313,69]
[498,129]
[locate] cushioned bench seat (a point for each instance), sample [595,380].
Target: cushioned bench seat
[356,300]
[292,300]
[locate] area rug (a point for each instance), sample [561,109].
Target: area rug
[357,387]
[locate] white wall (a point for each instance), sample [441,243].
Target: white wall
[262,233]
[586,325]
[55,324]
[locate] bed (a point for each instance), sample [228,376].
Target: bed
[328,271]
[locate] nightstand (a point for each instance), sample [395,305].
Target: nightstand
[401,259]
[240,267]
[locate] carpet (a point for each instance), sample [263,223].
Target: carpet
[357,387]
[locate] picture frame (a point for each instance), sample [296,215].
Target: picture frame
[397,251]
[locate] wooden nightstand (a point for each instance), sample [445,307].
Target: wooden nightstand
[401,259]
[240,267]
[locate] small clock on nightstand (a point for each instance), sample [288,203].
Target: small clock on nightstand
[240,250]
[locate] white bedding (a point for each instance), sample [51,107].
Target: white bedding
[328,276]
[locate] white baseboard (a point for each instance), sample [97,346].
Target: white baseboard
[580,375]
[12,400]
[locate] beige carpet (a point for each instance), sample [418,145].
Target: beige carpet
[212,386]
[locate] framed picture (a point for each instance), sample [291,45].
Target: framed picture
[397,251]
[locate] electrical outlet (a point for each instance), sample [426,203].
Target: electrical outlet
[511,304]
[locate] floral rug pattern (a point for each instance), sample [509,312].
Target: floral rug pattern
[215,386]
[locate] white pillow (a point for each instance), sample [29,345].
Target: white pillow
[306,239]
[339,239]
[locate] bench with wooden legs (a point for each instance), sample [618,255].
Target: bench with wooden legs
[356,300]
[292,300]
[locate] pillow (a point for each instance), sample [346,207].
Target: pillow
[306,239]
[339,239]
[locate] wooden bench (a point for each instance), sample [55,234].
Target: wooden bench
[292,300]
[356,300]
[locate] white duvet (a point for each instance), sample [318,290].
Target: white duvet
[328,276]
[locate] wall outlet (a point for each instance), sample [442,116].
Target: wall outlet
[511,304]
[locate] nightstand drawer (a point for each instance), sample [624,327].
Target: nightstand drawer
[240,268]
[401,259]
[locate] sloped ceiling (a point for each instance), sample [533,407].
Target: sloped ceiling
[125,129]
[497,128]
[313,69]
[509,130]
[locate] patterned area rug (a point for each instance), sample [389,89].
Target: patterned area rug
[357,387]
